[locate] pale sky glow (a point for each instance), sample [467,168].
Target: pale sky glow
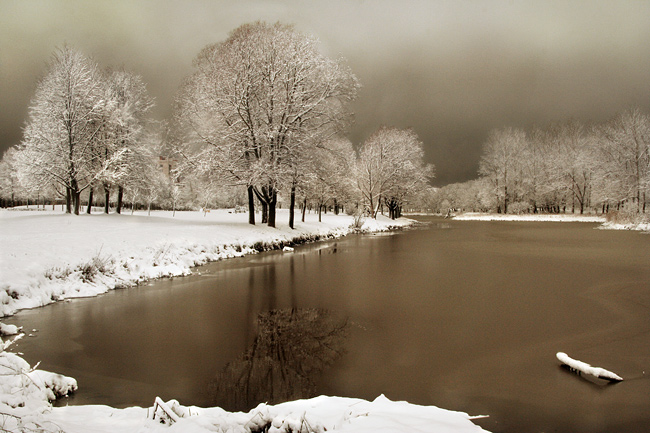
[452,70]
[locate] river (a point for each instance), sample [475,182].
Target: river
[463,315]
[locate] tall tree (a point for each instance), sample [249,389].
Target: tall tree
[624,159]
[64,125]
[257,100]
[125,127]
[499,163]
[390,167]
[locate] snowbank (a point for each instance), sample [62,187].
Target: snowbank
[643,227]
[48,256]
[318,415]
[471,216]
[26,392]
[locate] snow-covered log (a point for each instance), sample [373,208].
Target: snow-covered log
[583,367]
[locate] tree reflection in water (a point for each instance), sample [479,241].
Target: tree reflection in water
[290,351]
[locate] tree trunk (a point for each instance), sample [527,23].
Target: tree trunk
[90,200]
[292,205]
[107,198]
[320,211]
[251,205]
[120,196]
[68,200]
[273,200]
[264,203]
[76,201]
[304,208]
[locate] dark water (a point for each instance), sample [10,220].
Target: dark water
[463,315]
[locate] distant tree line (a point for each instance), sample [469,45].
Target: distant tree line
[259,122]
[568,167]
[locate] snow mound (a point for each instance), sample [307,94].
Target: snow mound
[8,330]
[316,415]
[25,390]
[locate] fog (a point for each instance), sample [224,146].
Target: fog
[450,70]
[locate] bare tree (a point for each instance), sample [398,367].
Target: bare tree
[257,100]
[390,167]
[64,123]
[499,163]
[624,159]
[121,130]
[11,191]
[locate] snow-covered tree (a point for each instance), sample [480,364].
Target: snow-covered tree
[390,167]
[11,190]
[500,163]
[256,101]
[123,129]
[623,161]
[64,125]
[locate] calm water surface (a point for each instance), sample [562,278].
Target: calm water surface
[463,315]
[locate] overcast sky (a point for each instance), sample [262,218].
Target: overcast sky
[451,70]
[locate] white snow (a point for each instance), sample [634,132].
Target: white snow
[8,330]
[48,256]
[643,227]
[318,414]
[583,367]
[475,216]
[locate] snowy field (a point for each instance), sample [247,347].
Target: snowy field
[48,256]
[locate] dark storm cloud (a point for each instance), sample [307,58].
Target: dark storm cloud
[450,70]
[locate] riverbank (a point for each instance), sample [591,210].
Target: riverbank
[48,256]
[475,216]
[605,225]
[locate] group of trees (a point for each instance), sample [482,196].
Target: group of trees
[260,119]
[86,131]
[568,166]
[264,110]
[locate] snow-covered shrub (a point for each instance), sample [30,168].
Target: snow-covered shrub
[358,220]
[96,266]
[57,273]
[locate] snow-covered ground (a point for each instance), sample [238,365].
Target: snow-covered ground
[605,225]
[47,256]
[643,227]
[472,216]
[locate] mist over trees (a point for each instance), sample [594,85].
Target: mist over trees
[567,167]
